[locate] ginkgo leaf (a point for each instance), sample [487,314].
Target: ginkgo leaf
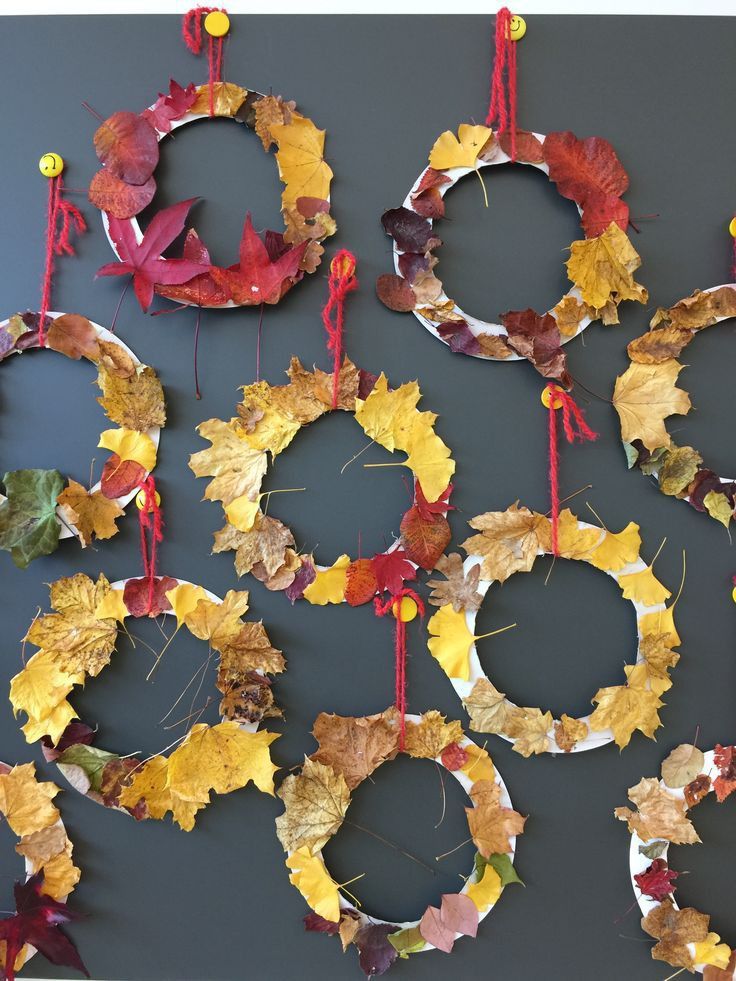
[90,512]
[712,951]
[644,396]
[129,444]
[315,803]
[487,890]
[461,150]
[479,765]
[241,513]
[329,584]
[315,883]
[237,468]
[300,160]
[643,587]
[618,549]
[184,599]
[450,642]
[603,268]
[429,459]
[25,802]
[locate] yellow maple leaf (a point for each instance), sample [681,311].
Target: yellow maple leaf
[426,738]
[659,814]
[641,675]
[184,599]
[487,891]
[52,725]
[60,874]
[222,758]
[300,160]
[149,783]
[461,150]
[625,708]
[41,686]
[274,429]
[130,445]
[241,513]
[644,396]
[661,624]
[603,268]
[530,728]
[644,587]
[711,951]
[429,459]
[617,550]
[219,623]
[388,416]
[90,512]
[329,584]
[450,642]
[227,98]
[315,802]
[574,540]
[236,467]
[26,803]
[315,883]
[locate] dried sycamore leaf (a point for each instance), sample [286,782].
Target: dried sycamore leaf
[491,824]
[683,764]
[674,930]
[625,708]
[329,584]
[387,416]
[135,402]
[617,549]
[426,739]
[90,512]
[644,396]
[227,98]
[603,268]
[314,882]
[265,545]
[148,790]
[657,654]
[316,801]
[25,802]
[275,428]
[461,150]
[529,728]
[269,111]
[658,814]
[509,541]
[643,587]
[659,345]
[569,314]
[569,731]
[699,310]
[458,589]
[302,167]
[678,469]
[487,707]
[236,467]
[355,747]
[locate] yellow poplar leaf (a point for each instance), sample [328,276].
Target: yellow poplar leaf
[26,803]
[623,709]
[529,728]
[130,445]
[60,874]
[184,599]
[112,606]
[479,765]
[90,512]
[315,883]
[222,758]
[329,584]
[718,506]
[242,512]
[236,467]
[461,150]
[51,725]
[711,951]
[617,549]
[644,587]
[388,416]
[603,268]
[661,624]
[486,892]
[41,686]
[429,460]
[302,167]
[644,396]
[450,642]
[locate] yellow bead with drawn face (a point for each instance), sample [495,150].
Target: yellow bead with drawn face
[51,165]
[546,398]
[732,227]
[217,23]
[517,28]
[405,609]
[140,499]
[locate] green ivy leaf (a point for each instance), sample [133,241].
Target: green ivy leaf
[501,863]
[407,942]
[28,524]
[90,760]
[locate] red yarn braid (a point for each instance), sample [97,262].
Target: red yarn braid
[58,242]
[191,30]
[382,608]
[341,282]
[150,519]
[502,103]
[576,428]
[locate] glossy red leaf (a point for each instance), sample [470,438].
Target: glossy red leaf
[127,145]
[581,168]
[119,199]
[136,596]
[120,477]
[657,881]
[201,290]
[428,508]
[392,569]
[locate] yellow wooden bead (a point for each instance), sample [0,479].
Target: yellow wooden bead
[517,28]
[732,227]
[51,165]
[546,397]
[217,23]
[405,609]
[140,499]
[733,594]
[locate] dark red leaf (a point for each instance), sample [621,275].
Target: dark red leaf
[454,757]
[395,293]
[528,147]
[429,204]
[411,264]
[361,585]
[202,290]
[74,734]
[38,921]
[392,569]
[136,594]
[306,575]
[169,108]
[459,337]
[424,538]
[376,953]
[581,168]
[311,207]
[696,790]
[431,178]
[410,231]
[366,383]
[537,339]
[704,482]
[600,210]
[119,199]
[657,881]
[318,924]
[127,145]
[120,477]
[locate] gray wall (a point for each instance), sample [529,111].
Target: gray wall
[216,903]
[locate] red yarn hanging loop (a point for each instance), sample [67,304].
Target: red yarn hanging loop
[341,282]
[502,104]
[383,608]
[576,429]
[191,30]
[151,523]
[62,218]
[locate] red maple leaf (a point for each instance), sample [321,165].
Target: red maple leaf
[258,278]
[428,508]
[392,569]
[202,290]
[724,758]
[171,107]
[37,921]
[143,259]
[657,881]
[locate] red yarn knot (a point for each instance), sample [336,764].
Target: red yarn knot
[341,282]
[61,218]
[576,429]
[150,520]
[191,30]
[383,608]
[502,104]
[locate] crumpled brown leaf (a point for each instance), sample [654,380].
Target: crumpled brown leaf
[658,815]
[487,707]
[135,401]
[267,544]
[90,512]
[698,310]
[426,739]
[491,824]
[509,542]
[674,930]
[355,747]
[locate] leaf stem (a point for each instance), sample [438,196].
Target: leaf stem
[482,184]
[500,630]
[391,844]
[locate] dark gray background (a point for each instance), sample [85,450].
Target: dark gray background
[216,903]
